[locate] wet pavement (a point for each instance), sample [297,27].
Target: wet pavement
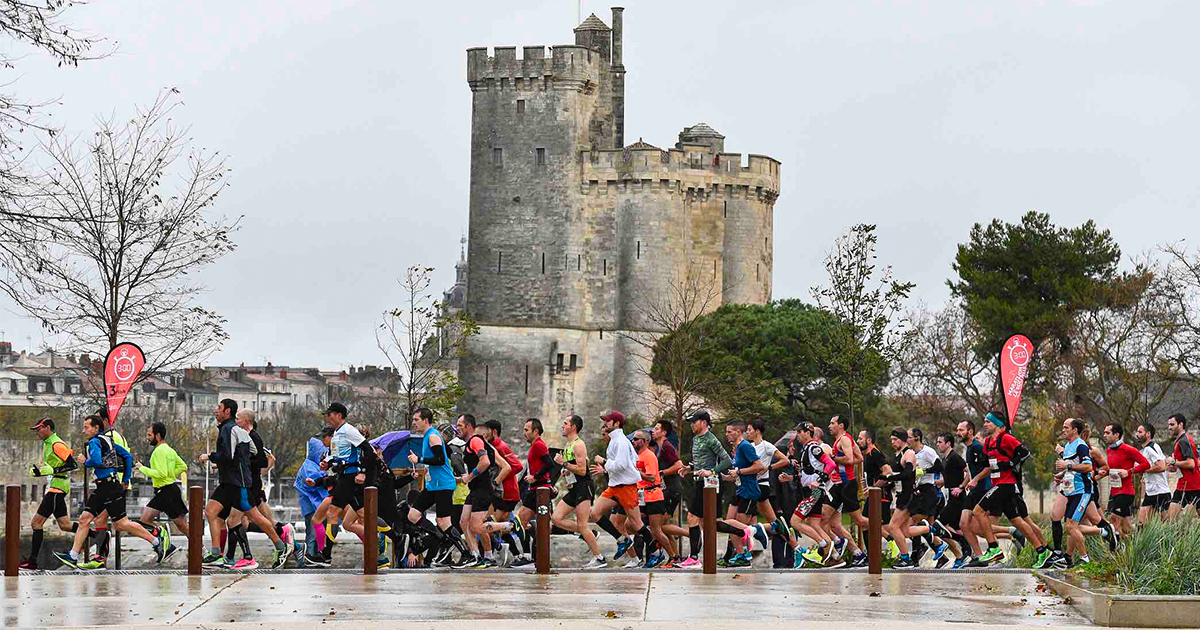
[297,598]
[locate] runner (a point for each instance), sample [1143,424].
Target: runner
[745,473]
[708,458]
[876,470]
[845,491]
[260,458]
[652,499]
[310,490]
[100,525]
[57,463]
[671,468]
[904,465]
[924,503]
[484,467]
[164,472]
[580,490]
[105,457]
[816,469]
[771,459]
[428,541]
[977,485]
[541,467]
[1124,461]
[1157,499]
[1005,454]
[954,480]
[502,509]
[1186,462]
[1075,463]
[231,498]
[620,466]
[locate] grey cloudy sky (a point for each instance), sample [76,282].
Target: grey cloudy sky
[347,126]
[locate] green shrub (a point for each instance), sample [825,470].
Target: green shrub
[1158,559]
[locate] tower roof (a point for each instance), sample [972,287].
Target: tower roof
[701,129]
[593,23]
[641,145]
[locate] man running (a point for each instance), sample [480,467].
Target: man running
[653,501]
[1124,461]
[708,458]
[260,459]
[671,468]
[104,457]
[231,498]
[1005,454]
[57,463]
[435,544]
[977,485]
[164,472]
[1157,499]
[580,490]
[954,480]
[845,491]
[876,470]
[1075,466]
[100,525]
[620,465]
[484,470]
[904,465]
[1185,461]
[816,470]
[540,468]
[510,497]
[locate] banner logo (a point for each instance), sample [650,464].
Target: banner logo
[1014,370]
[121,368]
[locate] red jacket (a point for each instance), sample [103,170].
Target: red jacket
[1126,457]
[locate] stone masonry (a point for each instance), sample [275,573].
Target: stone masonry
[568,225]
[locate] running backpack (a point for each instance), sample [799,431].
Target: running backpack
[556,470]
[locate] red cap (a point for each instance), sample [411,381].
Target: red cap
[44,421]
[614,416]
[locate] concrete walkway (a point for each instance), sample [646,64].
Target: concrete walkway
[66,600]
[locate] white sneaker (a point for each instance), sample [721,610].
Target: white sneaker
[633,564]
[596,563]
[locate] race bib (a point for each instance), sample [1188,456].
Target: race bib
[995,471]
[641,497]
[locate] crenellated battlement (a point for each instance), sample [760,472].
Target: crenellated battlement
[679,170]
[568,66]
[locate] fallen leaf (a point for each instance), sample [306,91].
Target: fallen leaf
[874,594]
[1068,600]
[612,614]
[1038,613]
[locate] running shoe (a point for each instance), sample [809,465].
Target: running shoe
[812,555]
[523,561]
[835,562]
[1060,561]
[169,552]
[633,563]
[941,551]
[1018,539]
[28,565]
[1043,559]
[465,561]
[669,563]
[903,563]
[1082,561]
[488,563]
[1109,535]
[941,562]
[65,558]
[280,559]
[596,563]
[993,555]
[315,561]
[840,546]
[760,534]
[298,552]
[740,560]
[688,563]
[893,550]
[245,564]
[623,545]
[961,562]
[164,535]
[211,559]
[860,560]
[918,551]
[722,563]
[384,562]
[160,552]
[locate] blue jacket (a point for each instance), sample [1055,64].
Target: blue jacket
[310,498]
[95,460]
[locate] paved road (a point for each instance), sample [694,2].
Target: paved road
[299,598]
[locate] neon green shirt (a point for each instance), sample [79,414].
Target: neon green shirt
[165,466]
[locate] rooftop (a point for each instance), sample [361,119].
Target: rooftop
[593,23]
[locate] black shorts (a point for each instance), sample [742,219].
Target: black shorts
[975,495]
[885,512]
[480,499]
[257,496]
[924,501]
[169,500]
[845,497]
[1186,498]
[529,499]
[503,506]
[108,496]
[583,490]
[903,498]
[696,503]
[672,498]
[653,508]
[347,492]
[1121,505]
[231,497]
[765,493]
[747,506]
[951,514]
[53,504]
[441,500]
[1003,499]
[1160,502]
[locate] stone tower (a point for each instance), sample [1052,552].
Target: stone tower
[568,225]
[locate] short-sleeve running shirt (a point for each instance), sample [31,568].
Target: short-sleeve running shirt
[1074,453]
[647,464]
[1185,449]
[744,456]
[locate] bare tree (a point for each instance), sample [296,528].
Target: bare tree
[117,255]
[39,25]
[422,341]
[666,347]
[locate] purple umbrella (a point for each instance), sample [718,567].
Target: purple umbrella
[391,444]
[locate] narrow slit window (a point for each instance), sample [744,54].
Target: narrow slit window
[605,267]
[499,262]
[639,250]
[756,271]
[526,379]
[485,380]
[559,364]
[541,156]
[578,262]
[725,209]
[497,156]
[764,242]
[574,362]
[602,333]
[543,262]
[520,106]
[714,269]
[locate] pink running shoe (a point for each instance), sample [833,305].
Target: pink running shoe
[689,563]
[245,564]
[287,535]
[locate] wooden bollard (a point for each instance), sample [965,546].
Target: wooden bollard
[195,530]
[710,528]
[12,530]
[370,530]
[874,531]
[542,557]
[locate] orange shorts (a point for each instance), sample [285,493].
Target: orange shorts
[625,496]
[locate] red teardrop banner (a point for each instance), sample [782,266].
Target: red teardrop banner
[1014,369]
[121,368]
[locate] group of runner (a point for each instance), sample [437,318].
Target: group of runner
[789,497]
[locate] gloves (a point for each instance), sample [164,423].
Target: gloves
[919,472]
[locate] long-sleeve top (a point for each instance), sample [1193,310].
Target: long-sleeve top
[95,460]
[1126,457]
[708,454]
[232,455]
[620,462]
[165,466]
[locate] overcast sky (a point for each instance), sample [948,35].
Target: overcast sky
[347,125]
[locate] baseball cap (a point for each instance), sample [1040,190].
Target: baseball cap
[336,408]
[45,421]
[614,416]
[324,432]
[700,415]
[804,426]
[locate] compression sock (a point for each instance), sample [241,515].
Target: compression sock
[606,524]
[694,541]
[509,539]
[231,541]
[36,547]
[279,529]
[555,530]
[726,528]
[102,537]
[244,542]
[728,550]
[1056,532]
[319,534]
[963,545]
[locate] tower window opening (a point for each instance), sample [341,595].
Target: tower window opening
[499,262]
[639,250]
[520,106]
[485,380]
[559,364]
[605,267]
[756,271]
[526,379]
[541,156]
[578,262]
[725,209]
[714,269]
[574,362]
[543,262]
[497,156]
